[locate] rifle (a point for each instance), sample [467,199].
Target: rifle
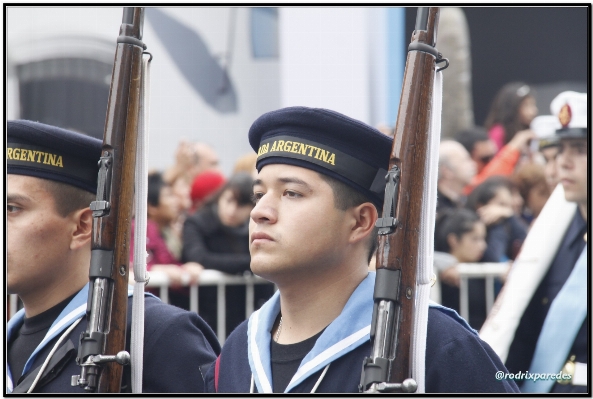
[112,214]
[388,369]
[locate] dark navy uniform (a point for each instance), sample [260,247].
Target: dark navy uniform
[540,325]
[523,346]
[357,155]
[179,347]
[456,359]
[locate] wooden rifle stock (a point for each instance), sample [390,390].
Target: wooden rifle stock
[389,366]
[112,214]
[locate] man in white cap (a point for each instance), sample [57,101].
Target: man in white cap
[539,325]
[545,127]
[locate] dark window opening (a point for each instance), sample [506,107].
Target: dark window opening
[67,92]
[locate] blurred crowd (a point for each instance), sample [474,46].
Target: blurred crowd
[198,219]
[493,182]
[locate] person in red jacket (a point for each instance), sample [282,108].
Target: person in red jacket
[489,162]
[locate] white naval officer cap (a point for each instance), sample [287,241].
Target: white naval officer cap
[544,127]
[571,110]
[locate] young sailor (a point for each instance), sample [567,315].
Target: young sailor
[540,322]
[312,234]
[52,178]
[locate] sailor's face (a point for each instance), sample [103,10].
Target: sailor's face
[295,228]
[37,236]
[571,166]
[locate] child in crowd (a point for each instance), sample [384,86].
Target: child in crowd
[460,233]
[511,112]
[493,201]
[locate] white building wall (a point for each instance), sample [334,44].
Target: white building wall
[329,57]
[177,111]
[325,59]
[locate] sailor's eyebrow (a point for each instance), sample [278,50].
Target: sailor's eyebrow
[17,198]
[286,180]
[294,180]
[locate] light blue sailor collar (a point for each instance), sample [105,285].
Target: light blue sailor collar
[72,312]
[347,332]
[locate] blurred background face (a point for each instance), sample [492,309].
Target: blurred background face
[571,165]
[517,201]
[168,209]
[504,198]
[232,214]
[182,189]
[537,197]
[471,245]
[462,165]
[483,153]
[206,159]
[550,166]
[527,110]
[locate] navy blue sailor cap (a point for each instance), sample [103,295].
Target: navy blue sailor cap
[52,153]
[327,142]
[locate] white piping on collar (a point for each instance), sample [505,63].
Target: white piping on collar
[329,352]
[61,323]
[314,390]
[341,335]
[51,353]
[259,368]
[9,386]
[72,316]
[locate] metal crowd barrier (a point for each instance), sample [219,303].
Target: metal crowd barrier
[487,271]
[207,278]
[212,278]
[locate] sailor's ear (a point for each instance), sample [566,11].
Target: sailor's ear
[83,228]
[364,217]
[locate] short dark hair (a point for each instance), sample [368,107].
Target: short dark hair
[456,221]
[155,185]
[346,197]
[485,191]
[469,137]
[68,198]
[241,185]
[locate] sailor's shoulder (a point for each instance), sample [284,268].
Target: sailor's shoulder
[445,323]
